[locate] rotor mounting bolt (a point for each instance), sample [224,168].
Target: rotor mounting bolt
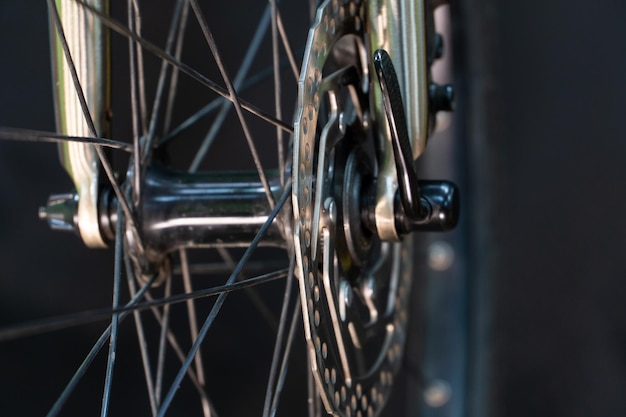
[342,123]
[345,298]
[347,293]
[329,205]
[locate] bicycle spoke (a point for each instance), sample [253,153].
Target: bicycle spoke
[278,345]
[80,372]
[216,88]
[284,363]
[165,328]
[26,135]
[288,49]
[253,48]
[208,36]
[158,100]
[68,57]
[227,267]
[141,156]
[277,83]
[215,103]
[141,337]
[171,338]
[193,323]
[251,292]
[90,316]
[220,301]
[117,279]
[174,78]
[143,107]
[134,102]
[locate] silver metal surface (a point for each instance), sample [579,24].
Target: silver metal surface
[397,26]
[213,209]
[87,43]
[354,355]
[61,211]
[180,210]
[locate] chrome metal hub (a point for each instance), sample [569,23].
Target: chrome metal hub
[202,210]
[182,210]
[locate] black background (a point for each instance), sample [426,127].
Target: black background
[545,159]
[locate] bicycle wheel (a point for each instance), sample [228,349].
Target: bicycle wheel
[158,216]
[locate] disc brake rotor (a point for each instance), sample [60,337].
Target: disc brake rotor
[353,287]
